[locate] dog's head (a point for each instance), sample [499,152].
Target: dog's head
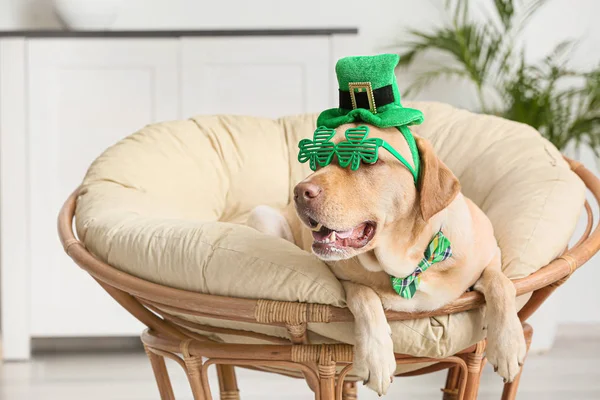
[349,211]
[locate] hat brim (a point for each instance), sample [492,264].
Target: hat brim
[391,117]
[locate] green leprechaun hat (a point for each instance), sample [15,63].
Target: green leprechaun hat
[369,93]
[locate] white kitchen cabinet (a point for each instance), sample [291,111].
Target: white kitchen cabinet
[267,77]
[84,95]
[65,99]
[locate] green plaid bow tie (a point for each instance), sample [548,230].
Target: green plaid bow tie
[438,250]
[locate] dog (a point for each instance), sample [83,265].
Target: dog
[375,222]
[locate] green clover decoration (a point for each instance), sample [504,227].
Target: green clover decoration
[320,150]
[351,152]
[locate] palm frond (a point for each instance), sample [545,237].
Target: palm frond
[528,11]
[505,10]
[459,10]
[563,104]
[508,37]
[558,55]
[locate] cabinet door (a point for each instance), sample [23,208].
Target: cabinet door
[83,96]
[267,77]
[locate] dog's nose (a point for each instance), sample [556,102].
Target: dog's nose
[306,191]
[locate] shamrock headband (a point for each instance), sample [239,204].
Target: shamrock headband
[356,148]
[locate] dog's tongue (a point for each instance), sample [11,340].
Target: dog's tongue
[344,234]
[325,232]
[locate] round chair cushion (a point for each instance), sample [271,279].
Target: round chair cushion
[165,204]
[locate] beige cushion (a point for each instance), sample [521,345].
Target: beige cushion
[162,205]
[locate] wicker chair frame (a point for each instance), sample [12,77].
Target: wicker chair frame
[169,336]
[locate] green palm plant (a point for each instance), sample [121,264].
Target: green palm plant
[561,103]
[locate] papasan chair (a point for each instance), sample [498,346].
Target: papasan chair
[159,221]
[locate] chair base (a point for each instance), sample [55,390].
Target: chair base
[317,363]
[476,362]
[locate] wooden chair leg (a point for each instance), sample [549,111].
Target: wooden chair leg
[228,382]
[161,375]
[326,382]
[193,366]
[510,389]
[349,391]
[475,363]
[452,384]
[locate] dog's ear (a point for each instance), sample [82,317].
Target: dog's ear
[437,185]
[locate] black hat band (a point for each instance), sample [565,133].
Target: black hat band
[381,97]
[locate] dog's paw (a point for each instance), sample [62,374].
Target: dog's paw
[374,361]
[506,348]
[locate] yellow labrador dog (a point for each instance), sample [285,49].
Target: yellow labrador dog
[375,222]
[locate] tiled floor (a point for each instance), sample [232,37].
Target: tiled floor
[571,371]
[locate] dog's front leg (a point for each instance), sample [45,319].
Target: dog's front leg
[506,348]
[374,358]
[270,221]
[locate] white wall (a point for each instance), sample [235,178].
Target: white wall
[381,23]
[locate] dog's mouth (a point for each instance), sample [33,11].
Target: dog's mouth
[329,239]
